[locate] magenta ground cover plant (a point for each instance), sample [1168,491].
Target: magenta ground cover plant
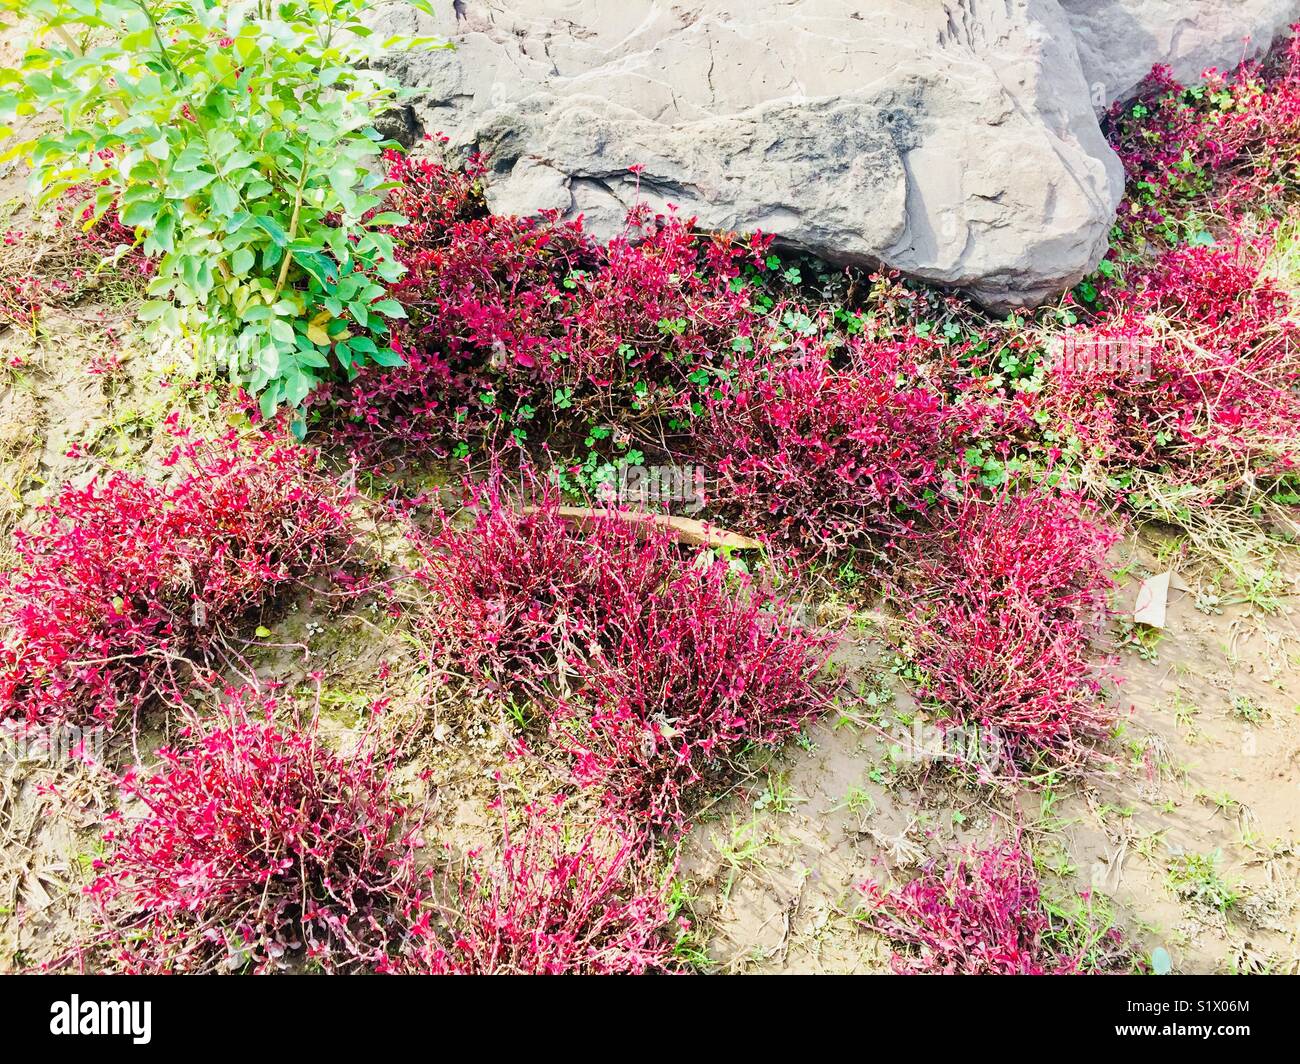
[518,598]
[979,916]
[65,269]
[826,455]
[125,577]
[984,914]
[259,849]
[685,682]
[1205,391]
[1002,608]
[1220,148]
[653,668]
[556,902]
[1204,394]
[509,317]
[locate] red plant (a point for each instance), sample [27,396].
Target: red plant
[1215,147]
[1210,399]
[661,306]
[1002,609]
[825,455]
[259,849]
[982,916]
[654,670]
[549,906]
[75,262]
[505,311]
[480,293]
[124,577]
[521,597]
[684,681]
[1203,352]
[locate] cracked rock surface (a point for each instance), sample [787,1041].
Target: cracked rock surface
[955,140]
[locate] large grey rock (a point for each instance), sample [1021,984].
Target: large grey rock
[952,139]
[1120,41]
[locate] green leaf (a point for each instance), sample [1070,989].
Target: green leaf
[297,386]
[225,200]
[270,399]
[272,229]
[312,357]
[386,356]
[318,266]
[163,237]
[191,182]
[191,157]
[238,161]
[241,262]
[141,212]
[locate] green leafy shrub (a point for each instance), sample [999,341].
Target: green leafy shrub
[236,139]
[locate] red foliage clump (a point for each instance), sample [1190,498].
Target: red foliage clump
[1217,146]
[1203,394]
[1205,353]
[518,598]
[982,916]
[504,310]
[658,667]
[1002,608]
[124,577]
[826,455]
[684,680]
[74,262]
[660,304]
[549,906]
[259,849]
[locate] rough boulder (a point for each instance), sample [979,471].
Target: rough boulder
[955,140]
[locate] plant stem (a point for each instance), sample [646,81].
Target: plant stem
[66,38]
[293,226]
[163,54]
